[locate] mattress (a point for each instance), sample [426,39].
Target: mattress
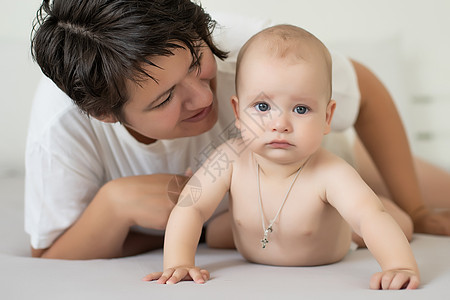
[23,277]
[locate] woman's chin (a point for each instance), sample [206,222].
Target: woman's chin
[204,125]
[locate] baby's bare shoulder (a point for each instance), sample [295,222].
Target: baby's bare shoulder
[329,164]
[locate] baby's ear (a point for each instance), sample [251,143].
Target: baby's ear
[329,115]
[235,105]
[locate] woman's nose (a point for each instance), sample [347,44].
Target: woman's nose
[197,93]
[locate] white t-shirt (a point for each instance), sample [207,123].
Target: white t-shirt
[70,156]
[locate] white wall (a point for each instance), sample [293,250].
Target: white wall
[424,27]
[18,79]
[419,30]
[405,42]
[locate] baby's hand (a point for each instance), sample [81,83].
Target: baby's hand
[395,280]
[174,275]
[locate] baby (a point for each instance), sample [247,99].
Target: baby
[292,202]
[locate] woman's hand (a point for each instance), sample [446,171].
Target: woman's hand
[432,222]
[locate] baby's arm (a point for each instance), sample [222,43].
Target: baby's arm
[388,244]
[362,209]
[197,202]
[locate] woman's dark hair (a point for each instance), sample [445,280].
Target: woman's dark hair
[90,48]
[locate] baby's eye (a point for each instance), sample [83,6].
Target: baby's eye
[262,106]
[301,110]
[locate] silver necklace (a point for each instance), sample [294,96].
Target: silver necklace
[269,228]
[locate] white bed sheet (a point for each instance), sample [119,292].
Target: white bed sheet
[23,277]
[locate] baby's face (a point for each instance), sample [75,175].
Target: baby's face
[283,107]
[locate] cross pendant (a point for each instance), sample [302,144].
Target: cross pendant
[265,240]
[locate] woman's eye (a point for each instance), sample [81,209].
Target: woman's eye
[262,106]
[301,110]
[166,101]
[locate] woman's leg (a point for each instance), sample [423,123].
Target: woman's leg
[219,233]
[434,182]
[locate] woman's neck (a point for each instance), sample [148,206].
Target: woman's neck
[139,137]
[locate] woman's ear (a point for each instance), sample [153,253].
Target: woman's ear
[329,115]
[106,118]
[235,105]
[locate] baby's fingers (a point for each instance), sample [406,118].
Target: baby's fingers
[174,276]
[397,282]
[205,274]
[375,281]
[161,277]
[414,283]
[199,276]
[404,281]
[394,280]
[152,276]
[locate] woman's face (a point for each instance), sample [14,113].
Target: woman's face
[181,103]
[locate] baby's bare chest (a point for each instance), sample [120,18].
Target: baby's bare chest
[304,227]
[294,211]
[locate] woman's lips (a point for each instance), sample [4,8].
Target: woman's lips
[200,115]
